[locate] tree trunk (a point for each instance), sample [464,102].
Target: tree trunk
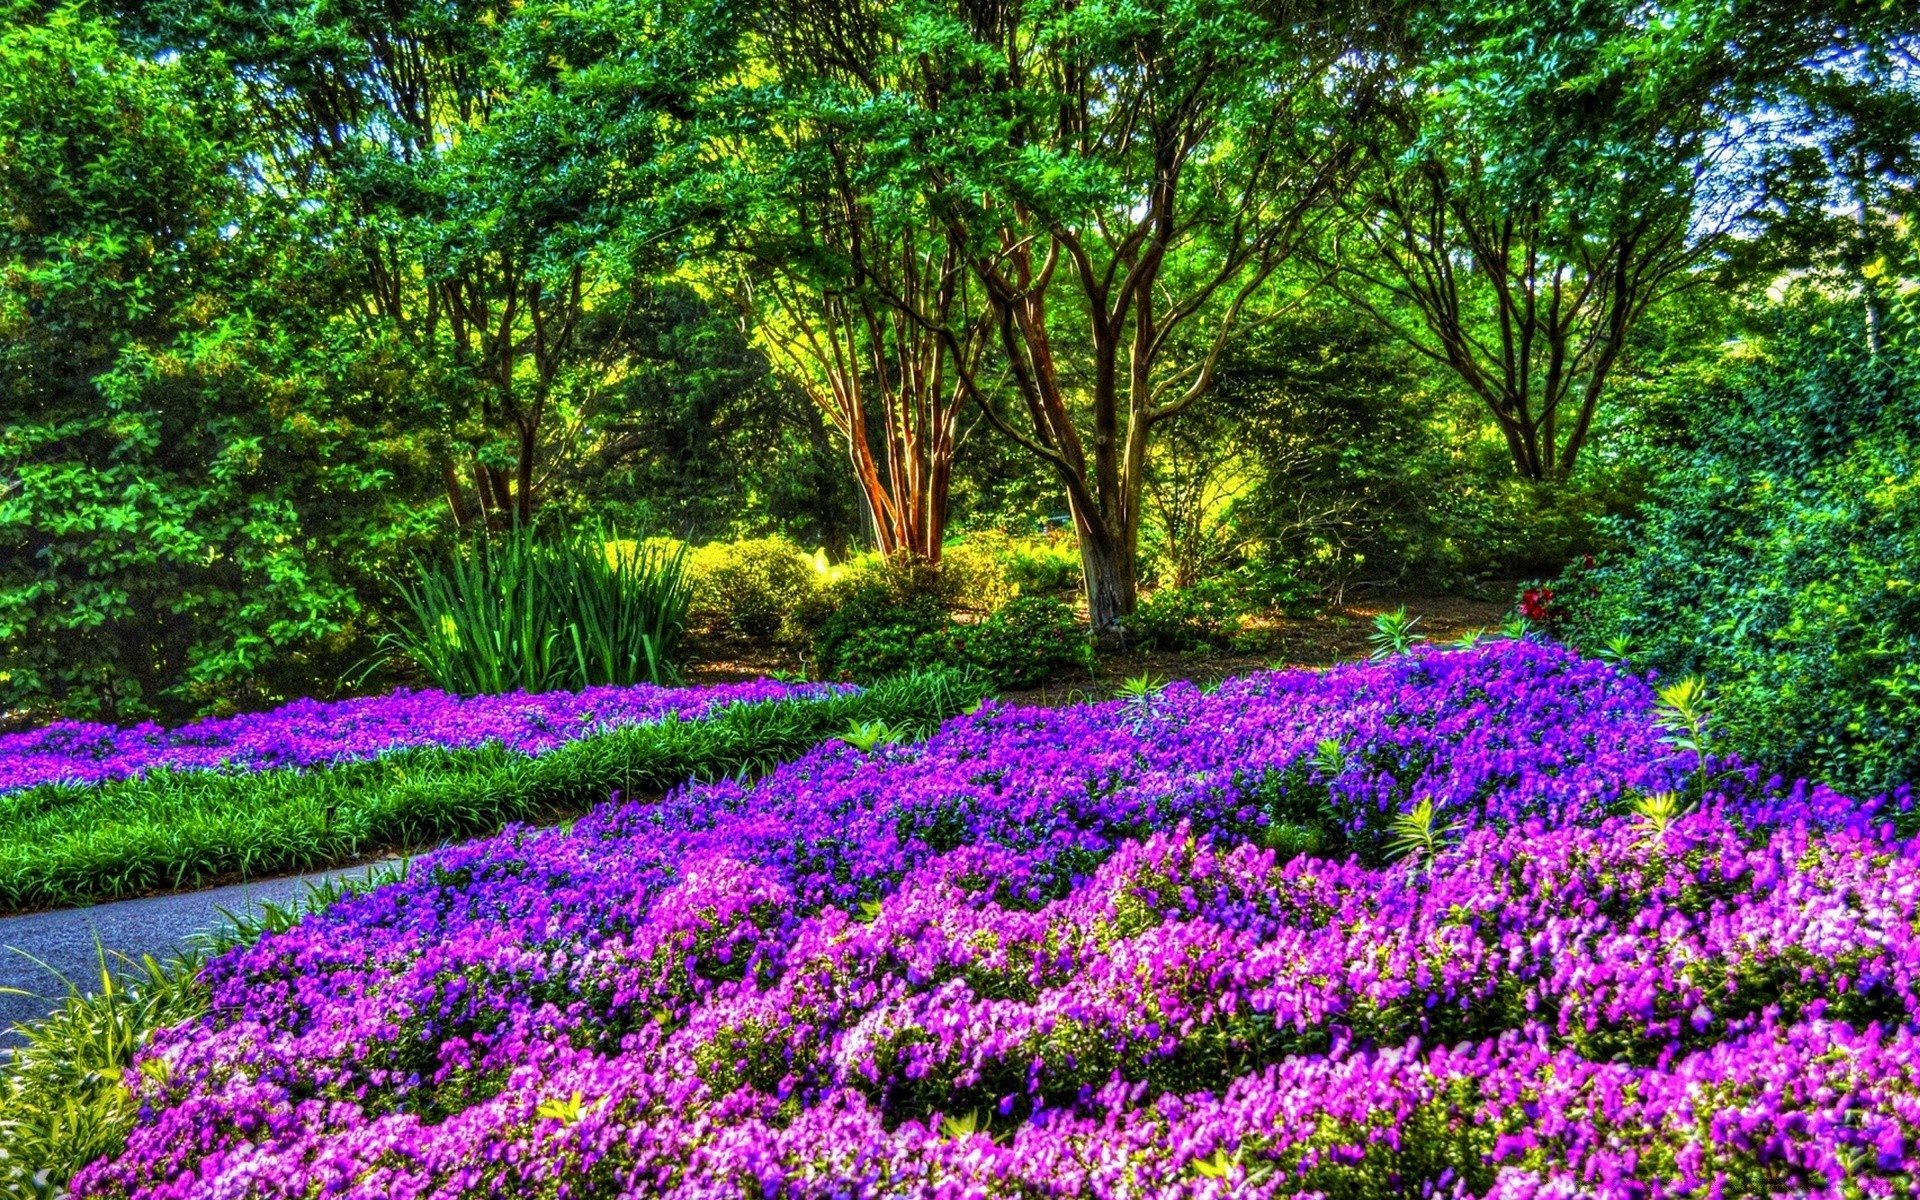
[1107,570]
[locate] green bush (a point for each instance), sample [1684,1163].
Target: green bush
[973,573]
[1043,564]
[750,586]
[171,830]
[514,612]
[1206,615]
[879,628]
[1028,641]
[875,630]
[1778,557]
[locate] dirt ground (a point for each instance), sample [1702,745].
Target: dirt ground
[1329,637]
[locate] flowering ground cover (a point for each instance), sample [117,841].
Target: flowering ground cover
[310,733]
[96,812]
[1167,946]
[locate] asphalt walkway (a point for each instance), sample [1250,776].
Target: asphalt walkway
[63,940]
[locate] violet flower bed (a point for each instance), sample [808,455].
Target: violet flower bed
[1053,953]
[308,733]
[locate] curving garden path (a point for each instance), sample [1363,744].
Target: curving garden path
[63,939]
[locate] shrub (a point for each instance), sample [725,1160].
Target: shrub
[1043,564]
[879,628]
[517,613]
[1204,616]
[1027,642]
[751,586]
[875,630]
[973,573]
[1776,558]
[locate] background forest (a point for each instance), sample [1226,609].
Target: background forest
[955,329]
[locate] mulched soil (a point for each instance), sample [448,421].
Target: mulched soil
[1337,635]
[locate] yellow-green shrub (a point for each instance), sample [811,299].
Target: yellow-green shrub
[752,585]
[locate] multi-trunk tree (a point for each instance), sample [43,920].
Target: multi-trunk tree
[1121,180]
[859,293]
[1541,175]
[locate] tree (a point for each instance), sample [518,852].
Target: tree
[193,494]
[1543,174]
[1122,179]
[482,171]
[862,297]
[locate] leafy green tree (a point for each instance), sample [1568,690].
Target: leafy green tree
[1121,180]
[1544,174]
[192,499]
[490,174]
[858,292]
[1776,557]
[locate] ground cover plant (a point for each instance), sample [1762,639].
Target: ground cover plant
[1459,922]
[96,812]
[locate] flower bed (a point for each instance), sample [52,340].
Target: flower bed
[306,733]
[387,785]
[1071,953]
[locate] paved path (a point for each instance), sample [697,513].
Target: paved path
[156,925]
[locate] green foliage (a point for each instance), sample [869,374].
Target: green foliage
[973,573]
[1028,641]
[1681,710]
[752,586]
[519,612]
[1205,616]
[1419,833]
[865,735]
[1042,564]
[875,631]
[1393,634]
[1776,559]
[196,501]
[66,845]
[1657,813]
[1141,688]
[878,628]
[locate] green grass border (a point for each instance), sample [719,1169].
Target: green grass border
[62,845]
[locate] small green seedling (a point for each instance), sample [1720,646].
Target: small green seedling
[567,1111]
[963,1126]
[1681,710]
[1618,651]
[1657,813]
[1470,639]
[1329,758]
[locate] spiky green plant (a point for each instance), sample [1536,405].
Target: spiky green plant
[865,735]
[1329,758]
[1419,834]
[1681,708]
[1657,814]
[1618,651]
[1393,634]
[517,611]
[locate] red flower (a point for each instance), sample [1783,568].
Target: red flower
[1536,604]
